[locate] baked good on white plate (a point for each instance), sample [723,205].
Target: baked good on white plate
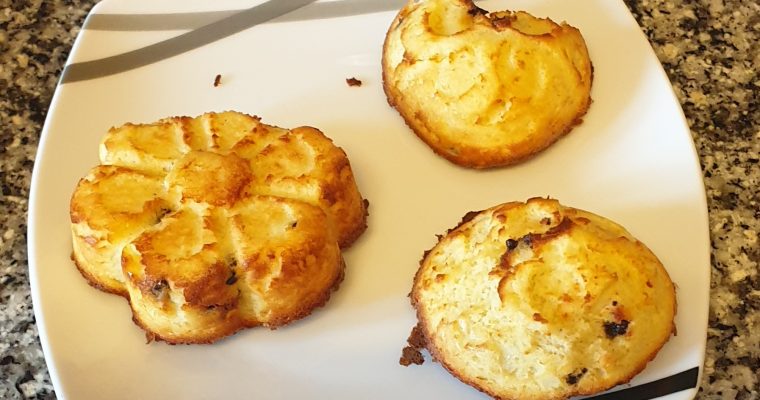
[211,224]
[537,300]
[485,89]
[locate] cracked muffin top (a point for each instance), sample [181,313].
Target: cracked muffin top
[485,89]
[536,300]
[211,224]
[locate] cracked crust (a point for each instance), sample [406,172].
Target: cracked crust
[212,224]
[541,301]
[472,99]
[230,329]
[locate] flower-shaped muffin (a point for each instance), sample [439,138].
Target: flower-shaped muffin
[212,224]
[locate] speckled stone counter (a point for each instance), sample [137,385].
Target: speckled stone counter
[709,49]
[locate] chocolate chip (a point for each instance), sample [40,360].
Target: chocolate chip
[574,377]
[232,279]
[613,329]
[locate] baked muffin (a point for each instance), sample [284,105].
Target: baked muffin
[484,89]
[211,224]
[539,301]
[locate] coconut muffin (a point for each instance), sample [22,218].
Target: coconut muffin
[484,89]
[211,224]
[540,301]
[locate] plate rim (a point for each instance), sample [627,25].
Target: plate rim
[34,203]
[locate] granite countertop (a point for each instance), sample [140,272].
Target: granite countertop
[709,49]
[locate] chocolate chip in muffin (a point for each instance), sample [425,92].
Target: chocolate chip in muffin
[613,329]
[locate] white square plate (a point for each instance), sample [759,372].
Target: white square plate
[632,160]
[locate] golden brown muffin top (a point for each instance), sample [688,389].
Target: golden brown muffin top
[538,300]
